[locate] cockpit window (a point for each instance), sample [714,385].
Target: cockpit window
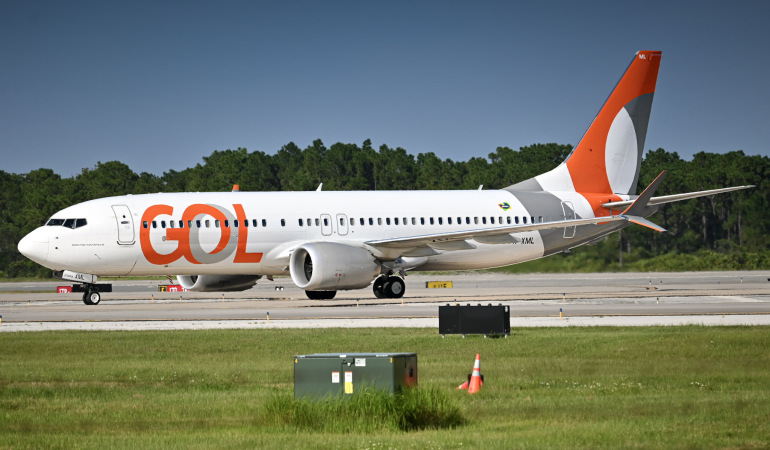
[67,223]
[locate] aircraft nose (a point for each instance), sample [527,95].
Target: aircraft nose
[35,246]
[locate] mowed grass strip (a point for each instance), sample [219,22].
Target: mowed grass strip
[578,387]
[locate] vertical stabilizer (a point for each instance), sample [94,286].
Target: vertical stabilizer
[608,157]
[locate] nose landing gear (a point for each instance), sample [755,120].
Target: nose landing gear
[91,295]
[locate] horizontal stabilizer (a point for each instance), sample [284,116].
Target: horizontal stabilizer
[645,223]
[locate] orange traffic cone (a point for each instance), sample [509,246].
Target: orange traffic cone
[463,386]
[475,384]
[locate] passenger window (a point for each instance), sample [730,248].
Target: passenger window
[524,219]
[208,223]
[387,221]
[449,221]
[516,220]
[352,221]
[163,224]
[316,222]
[299,221]
[145,224]
[227,224]
[216,223]
[235,223]
[422,220]
[283,222]
[254,223]
[540,219]
[310,222]
[326,222]
[476,220]
[414,222]
[171,224]
[154,224]
[189,224]
[264,223]
[431,220]
[440,221]
[361,221]
[181,224]
[467,220]
[342,221]
[395,221]
[484,220]
[508,220]
[379,221]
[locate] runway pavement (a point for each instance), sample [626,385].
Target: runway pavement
[627,299]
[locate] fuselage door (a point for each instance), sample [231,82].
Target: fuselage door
[326,224]
[569,214]
[342,224]
[125,224]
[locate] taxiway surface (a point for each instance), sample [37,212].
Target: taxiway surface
[709,298]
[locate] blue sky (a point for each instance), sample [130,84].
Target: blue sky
[159,85]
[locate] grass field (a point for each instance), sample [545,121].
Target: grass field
[569,387]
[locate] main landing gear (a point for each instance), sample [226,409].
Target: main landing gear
[389,286]
[91,295]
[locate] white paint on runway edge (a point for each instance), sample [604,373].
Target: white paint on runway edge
[516,322]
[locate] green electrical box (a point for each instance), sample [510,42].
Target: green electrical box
[333,374]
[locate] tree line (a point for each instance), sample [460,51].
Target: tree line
[728,223]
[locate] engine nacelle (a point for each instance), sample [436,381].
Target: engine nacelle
[327,266]
[217,283]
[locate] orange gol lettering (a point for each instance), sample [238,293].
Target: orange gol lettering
[184,248]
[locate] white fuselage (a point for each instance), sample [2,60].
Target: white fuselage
[254,233]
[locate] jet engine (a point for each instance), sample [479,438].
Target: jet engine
[217,283]
[328,266]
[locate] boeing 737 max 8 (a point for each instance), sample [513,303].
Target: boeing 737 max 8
[330,241]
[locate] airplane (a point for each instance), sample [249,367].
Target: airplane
[329,241]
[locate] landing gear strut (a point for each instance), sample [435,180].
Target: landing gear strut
[389,287]
[91,295]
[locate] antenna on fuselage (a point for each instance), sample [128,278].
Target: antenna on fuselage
[319,187]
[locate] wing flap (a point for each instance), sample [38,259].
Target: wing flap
[438,239]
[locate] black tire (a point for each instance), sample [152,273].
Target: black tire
[394,287]
[94,297]
[320,295]
[378,286]
[87,298]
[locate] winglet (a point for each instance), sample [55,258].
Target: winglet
[638,208]
[639,205]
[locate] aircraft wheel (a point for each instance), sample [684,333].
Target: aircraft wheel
[394,287]
[87,298]
[94,297]
[320,295]
[378,287]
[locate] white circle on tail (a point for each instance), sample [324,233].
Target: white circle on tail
[621,154]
